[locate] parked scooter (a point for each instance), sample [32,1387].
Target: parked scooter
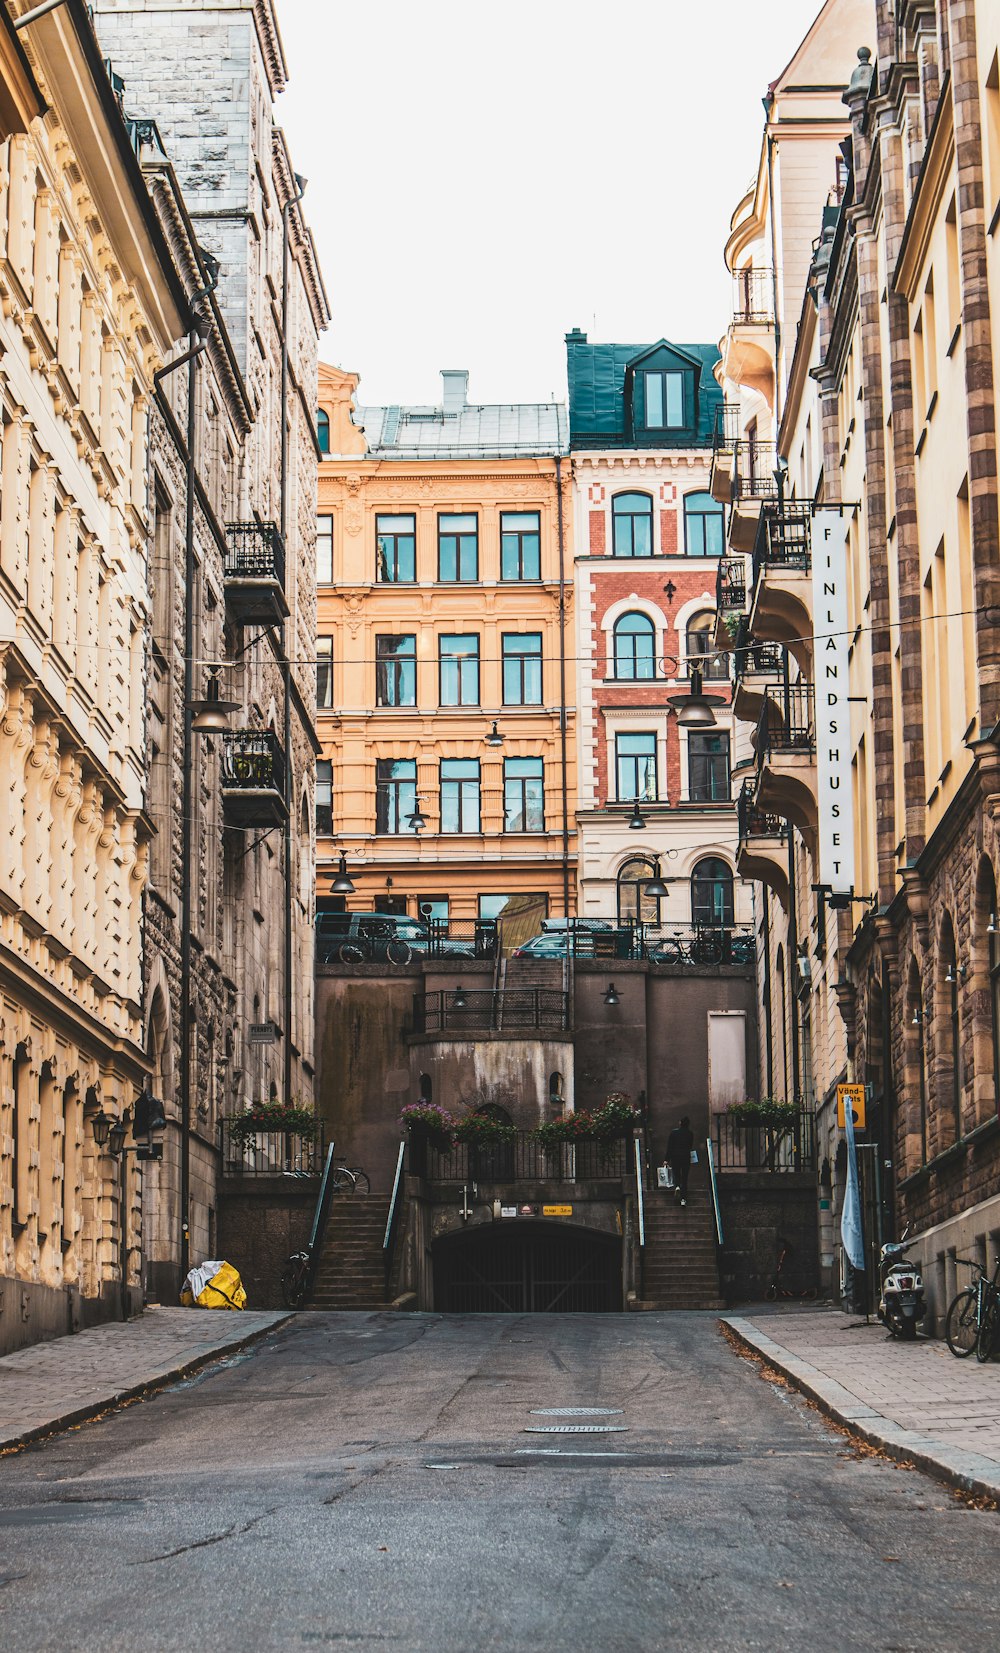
[901,1303]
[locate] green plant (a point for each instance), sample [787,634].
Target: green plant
[430,1119]
[263,1117]
[570,1127]
[616,1117]
[482,1128]
[766,1111]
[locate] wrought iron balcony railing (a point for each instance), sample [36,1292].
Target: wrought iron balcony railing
[254,570]
[787,722]
[731,584]
[753,469]
[783,539]
[753,298]
[754,822]
[756,659]
[728,427]
[487,1010]
[253,778]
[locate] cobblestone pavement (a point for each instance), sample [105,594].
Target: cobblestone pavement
[51,1385]
[915,1399]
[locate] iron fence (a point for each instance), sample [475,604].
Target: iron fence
[728,426]
[753,298]
[755,659]
[488,1010]
[379,938]
[252,761]
[524,1159]
[783,538]
[270,1153]
[777,1148]
[754,469]
[254,551]
[731,584]
[787,722]
[754,822]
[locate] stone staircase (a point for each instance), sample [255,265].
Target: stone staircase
[521,975]
[680,1268]
[351,1272]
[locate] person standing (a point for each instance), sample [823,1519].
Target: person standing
[679,1145]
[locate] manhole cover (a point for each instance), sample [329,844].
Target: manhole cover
[576,1429]
[577,1411]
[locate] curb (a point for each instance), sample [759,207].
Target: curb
[965,1471]
[9,1444]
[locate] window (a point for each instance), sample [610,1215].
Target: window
[396,670]
[664,394]
[634,905]
[323,431]
[632,525]
[708,768]
[522,668]
[636,767]
[635,647]
[524,795]
[458,671]
[704,526]
[458,548]
[491,906]
[520,545]
[459,794]
[712,893]
[395,794]
[396,539]
[324,550]
[433,909]
[324,798]
[952,1042]
[993,938]
[701,651]
[324,673]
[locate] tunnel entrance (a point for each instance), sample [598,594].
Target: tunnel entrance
[524,1267]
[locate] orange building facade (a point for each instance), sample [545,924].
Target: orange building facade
[445,675]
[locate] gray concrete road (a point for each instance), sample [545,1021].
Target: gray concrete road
[366,1480]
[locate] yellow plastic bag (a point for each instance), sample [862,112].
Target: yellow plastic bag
[222,1289]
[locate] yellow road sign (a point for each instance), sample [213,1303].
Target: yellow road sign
[557,1211]
[855,1094]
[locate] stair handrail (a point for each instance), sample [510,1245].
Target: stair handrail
[640,1206]
[715,1190]
[389,1242]
[320,1215]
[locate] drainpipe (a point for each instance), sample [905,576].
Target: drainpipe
[791,998]
[768,1029]
[293,201]
[563,732]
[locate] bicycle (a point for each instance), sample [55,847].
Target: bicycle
[973,1319]
[350,1179]
[294,1279]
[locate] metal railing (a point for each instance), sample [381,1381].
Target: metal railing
[392,1219]
[254,551]
[252,761]
[486,1010]
[754,822]
[731,584]
[714,1184]
[379,938]
[753,298]
[787,722]
[783,539]
[728,427]
[270,1153]
[778,1148]
[753,469]
[524,1159]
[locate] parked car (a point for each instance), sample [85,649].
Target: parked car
[588,938]
[393,938]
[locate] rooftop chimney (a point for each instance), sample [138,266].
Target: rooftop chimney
[455,388]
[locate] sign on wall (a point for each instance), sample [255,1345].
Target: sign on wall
[833,723]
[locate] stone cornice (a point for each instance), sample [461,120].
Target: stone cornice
[272,50]
[301,242]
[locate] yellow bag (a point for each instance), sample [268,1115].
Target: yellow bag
[223,1290]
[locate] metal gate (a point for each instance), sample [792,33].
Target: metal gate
[522,1267]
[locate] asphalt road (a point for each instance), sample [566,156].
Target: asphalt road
[366,1480]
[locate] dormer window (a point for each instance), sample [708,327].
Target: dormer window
[663,394]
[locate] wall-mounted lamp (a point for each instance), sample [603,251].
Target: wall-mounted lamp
[611,997]
[460,1000]
[917,1017]
[956,973]
[991,928]
[342,884]
[101,1126]
[494,738]
[636,822]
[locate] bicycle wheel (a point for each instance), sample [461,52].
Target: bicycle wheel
[293,1281]
[343,1180]
[961,1328]
[398,952]
[986,1342]
[352,952]
[361,1183]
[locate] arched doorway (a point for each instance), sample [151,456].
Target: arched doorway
[634,905]
[522,1265]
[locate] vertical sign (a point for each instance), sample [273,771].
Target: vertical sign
[833,722]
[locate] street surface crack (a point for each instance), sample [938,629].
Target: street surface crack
[205,1543]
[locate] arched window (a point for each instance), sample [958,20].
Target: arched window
[635,647]
[426,1088]
[712,893]
[951,1025]
[701,649]
[632,525]
[916,1059]
[556,1097]
[323,431]
[634,905]
[704,526]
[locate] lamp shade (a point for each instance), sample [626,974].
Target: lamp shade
[460,1002]
[611,997]
[101,1125]
[494,738]
[636,821]
[117,1135]
[211,715]
[656,888]
[342,884]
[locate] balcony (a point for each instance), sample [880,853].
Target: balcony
[785,744]
[731,586]
[253,779]
[758,669]
[753,298]
[254,571]
[762,852]
[727,432]
[748,346]
[781,590]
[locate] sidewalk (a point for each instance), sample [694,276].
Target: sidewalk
[915,1401]
[52,1385]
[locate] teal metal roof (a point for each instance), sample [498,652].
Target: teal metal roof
[605,395]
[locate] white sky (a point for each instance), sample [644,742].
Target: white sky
[484,177]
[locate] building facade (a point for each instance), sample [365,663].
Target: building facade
[91,306]
[229,904]
[445,685]
[648,537]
